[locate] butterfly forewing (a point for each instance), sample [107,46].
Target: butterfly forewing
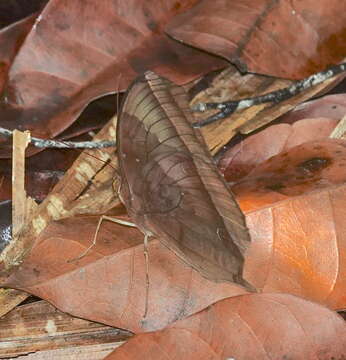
[170,185]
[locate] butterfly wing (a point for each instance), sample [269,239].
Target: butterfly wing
[170,185]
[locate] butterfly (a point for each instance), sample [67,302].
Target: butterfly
[170,185]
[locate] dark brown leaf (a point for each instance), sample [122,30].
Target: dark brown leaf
[11,38]
[170,185]
[290,39]
[79,50]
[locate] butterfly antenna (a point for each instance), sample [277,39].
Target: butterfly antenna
[117,94]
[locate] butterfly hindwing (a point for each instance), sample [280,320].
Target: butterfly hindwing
[170,185]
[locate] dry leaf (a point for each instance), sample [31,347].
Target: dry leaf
[245,156]
[256,326]
[11,39]
[108,285]
[78,51]
[289,39]
[295,212]
[329,106]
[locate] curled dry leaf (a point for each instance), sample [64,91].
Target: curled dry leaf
[78,51]
[245,156]
[108,285]
[256,326]
[290,39]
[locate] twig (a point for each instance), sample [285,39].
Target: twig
[228,107]
[41,143]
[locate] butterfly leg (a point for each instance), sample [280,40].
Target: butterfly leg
[102,218]
[146,256]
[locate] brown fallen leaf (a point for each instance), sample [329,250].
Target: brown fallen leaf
[230,84]
[314,165]
[282,38]
[11,38]
[329,106]
[256,326]
[299,247]
[294,204]
[78,51]
[245,156]
[108,285]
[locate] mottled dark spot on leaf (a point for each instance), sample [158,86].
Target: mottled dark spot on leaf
[275,187]
[313,165]
[62,26]
[153,26]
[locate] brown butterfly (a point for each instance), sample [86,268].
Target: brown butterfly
[170,185]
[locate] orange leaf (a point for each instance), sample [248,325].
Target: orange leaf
[256,326]
[295,204]
[245,156]
[108,285]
